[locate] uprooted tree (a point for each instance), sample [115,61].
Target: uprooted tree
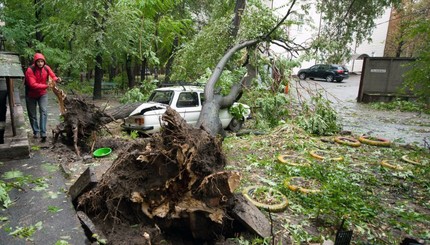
[175,181]
[208,119]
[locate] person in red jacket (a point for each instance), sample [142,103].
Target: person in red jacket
[36,94]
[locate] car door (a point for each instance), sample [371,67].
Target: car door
[322,71]
[188,103]
[313,71]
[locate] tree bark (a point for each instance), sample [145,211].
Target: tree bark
[38,15]
[130,75]
[143,70]
[98,77]
[208,119]
[170,60]
[238,10]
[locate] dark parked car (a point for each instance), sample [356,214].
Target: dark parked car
[328,72]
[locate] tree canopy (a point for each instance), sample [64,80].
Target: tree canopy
[190,36]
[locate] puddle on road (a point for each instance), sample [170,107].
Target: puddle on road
[359,118]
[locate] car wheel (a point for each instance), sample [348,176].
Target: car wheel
[302,76]
[329,78]
[235,125]
[339,80]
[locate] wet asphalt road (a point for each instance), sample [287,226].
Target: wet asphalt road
[360,118]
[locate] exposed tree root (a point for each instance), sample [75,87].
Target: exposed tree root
[176,181]
[81,120]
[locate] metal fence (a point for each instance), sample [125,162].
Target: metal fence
[382,79]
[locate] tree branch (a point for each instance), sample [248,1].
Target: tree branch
[210,85]
[265,37]
[237,88]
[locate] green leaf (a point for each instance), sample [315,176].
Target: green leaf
[54,209]
[13,174]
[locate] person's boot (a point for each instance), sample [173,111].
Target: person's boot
[1,136]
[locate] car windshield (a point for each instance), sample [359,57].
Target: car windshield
[164,97]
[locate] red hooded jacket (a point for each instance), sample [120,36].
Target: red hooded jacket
[37,81]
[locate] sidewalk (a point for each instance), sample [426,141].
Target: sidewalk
[41,211]
[43,198]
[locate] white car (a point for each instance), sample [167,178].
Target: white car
[187,101]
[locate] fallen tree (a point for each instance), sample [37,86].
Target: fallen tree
[175,181]
[208,119]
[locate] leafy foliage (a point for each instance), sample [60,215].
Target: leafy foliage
[345,24]
[4,196]
[26,232]
[238,111]
[139,94]
[319,118]
[132,95]
[270,109]
[401,105]
[417,79]
[376,202]
[206,48]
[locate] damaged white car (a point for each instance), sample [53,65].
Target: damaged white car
[187,101]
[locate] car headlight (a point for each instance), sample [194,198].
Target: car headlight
[139,121]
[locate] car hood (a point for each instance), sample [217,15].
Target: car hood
[148,106]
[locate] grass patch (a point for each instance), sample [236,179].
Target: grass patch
[401,105]
[380,205]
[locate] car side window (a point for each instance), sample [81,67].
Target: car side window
[163,97]
[187,99]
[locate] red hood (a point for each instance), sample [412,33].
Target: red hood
[38,56]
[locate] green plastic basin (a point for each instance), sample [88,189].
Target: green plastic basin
[101,152]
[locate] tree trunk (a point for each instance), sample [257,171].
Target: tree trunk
[143,70]
[238,10]
[98,78]
[112,72]
[38,13]
[129,69]
[170,61]
[156,51]
[207,119]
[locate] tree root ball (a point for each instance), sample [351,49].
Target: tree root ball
[175,180]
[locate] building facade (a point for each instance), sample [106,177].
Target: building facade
[312,24]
